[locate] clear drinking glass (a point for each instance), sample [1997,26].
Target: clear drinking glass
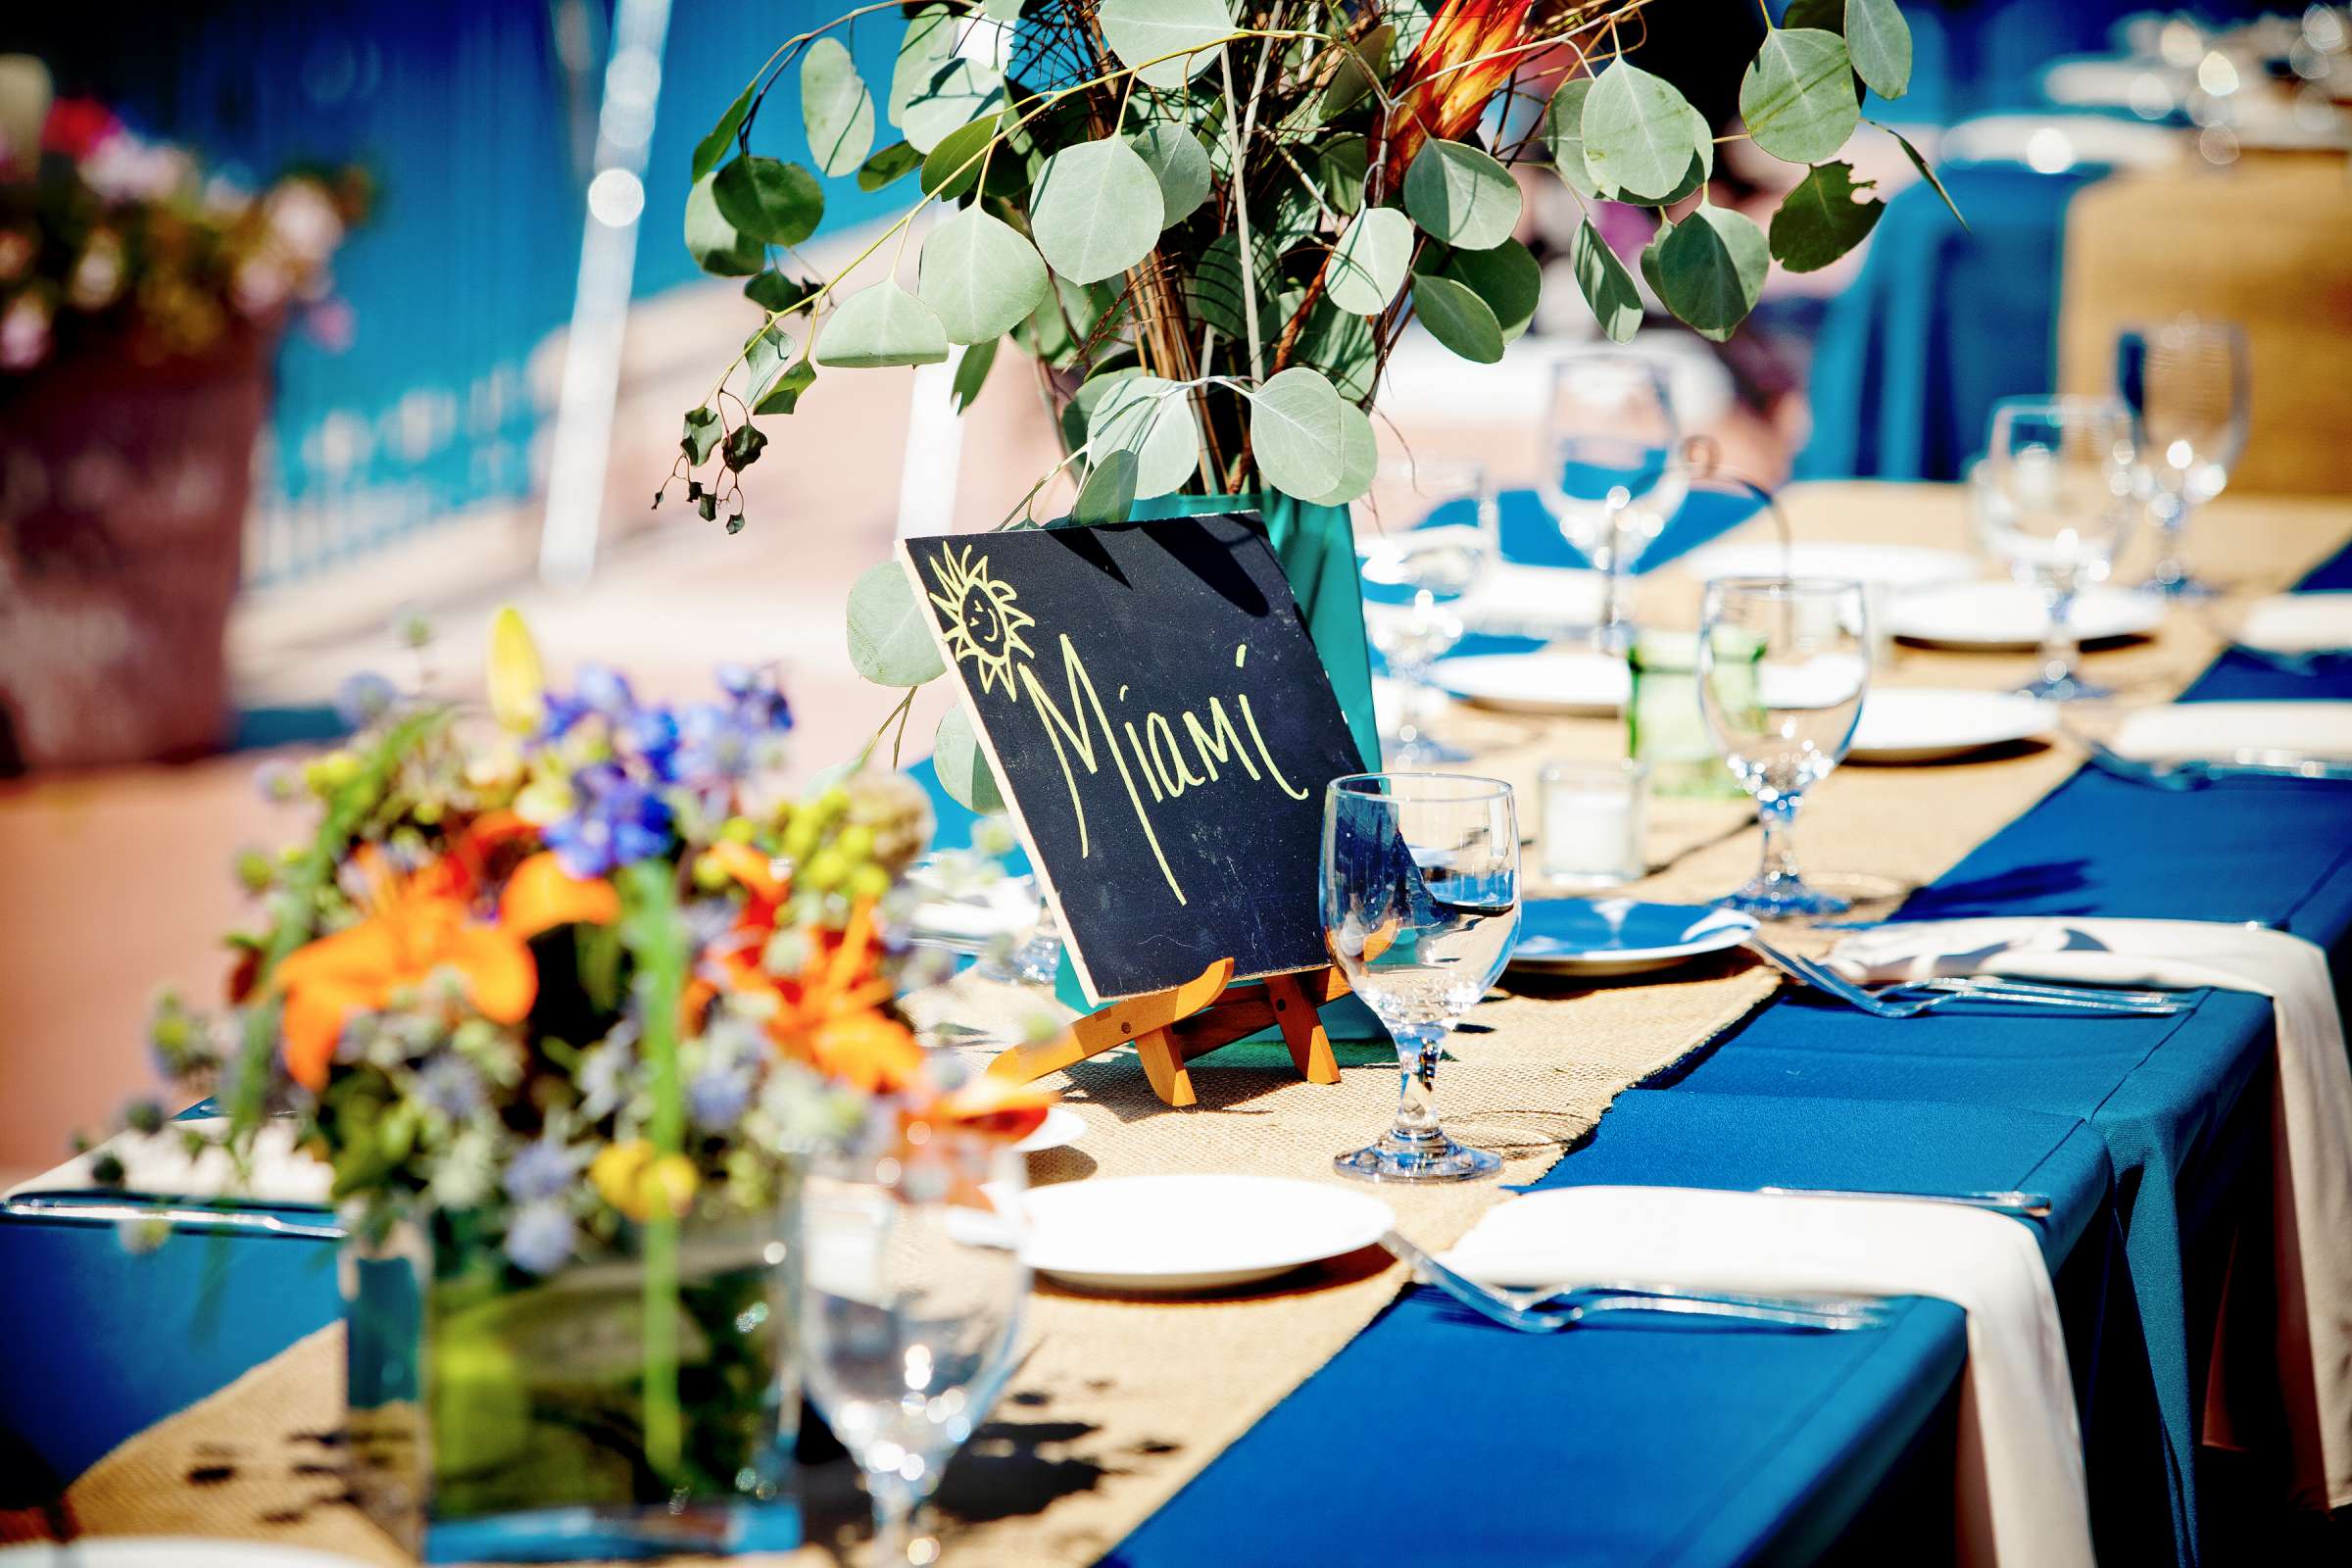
[1783,664]
[2054,498]
[2186,385]
[1420,889]
[1414,575]
[1609,468]
[912,1289]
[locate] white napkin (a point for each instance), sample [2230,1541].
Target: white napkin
[2298,623]
[2312,1115]
[2179,731]
[1515,600]
[156,1164]
[2020,1494]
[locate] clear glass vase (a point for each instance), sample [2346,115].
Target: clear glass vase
[498,1415]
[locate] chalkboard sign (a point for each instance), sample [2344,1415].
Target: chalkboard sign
[1163,730]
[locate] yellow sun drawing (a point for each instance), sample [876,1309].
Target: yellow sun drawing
[984,624]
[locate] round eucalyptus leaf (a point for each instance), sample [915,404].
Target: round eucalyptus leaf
[1151,419]
[1359,458]
[768,200]
[1362,63]
[1298,433]
[1141,33]
[1637,132]
[1457,317]
[1096,210]
[1369,262]
[893,162]
[1605,284]
[1564,136]
[1179,163]
[881,325]
[954,166]
[1798,95]
[1703,161]
[1877,41]
[889,629]
[1821,219]
[1507,278]
[712,241]
[1710,270]
[963,766]
[934,89]
[1463,196]
[1108,493]
[712,148]
[836,110]
[1216,284]
[980,277]
[1341,344]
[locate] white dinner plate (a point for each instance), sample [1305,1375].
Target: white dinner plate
[2008,615]
[1538,683]
[2175,732]
[1192,1233]
[1921,724]
[1061,1128]
[1893,566]
[2298,623]
[1516,600]
[1605,937]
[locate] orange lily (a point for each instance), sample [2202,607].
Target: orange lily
[421,924]
[1439,92]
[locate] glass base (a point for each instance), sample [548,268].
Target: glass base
[1436,1158]
[2073,689]
[585,1533]
[1783,898]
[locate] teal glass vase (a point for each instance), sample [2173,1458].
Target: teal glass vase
[496,1415]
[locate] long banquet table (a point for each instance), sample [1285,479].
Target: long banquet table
[1433,1434]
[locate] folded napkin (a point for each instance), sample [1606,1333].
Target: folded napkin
[1512,600]
[2298,623]
[156,1165]
[2021,1491]
[2311,1130]
[2185,731]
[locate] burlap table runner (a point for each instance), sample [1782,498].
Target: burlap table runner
[1118,1402]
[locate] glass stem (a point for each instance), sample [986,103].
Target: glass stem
[2059,651]
[898,1524]
[1778,817]
[2172,521]
[1611,635]
[1418,1048]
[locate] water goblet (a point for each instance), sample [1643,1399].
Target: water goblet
[1610,469]
[912,1287]
[2054,498]
[1424,537]
[1782,666]
[1420,891]
[2185,383]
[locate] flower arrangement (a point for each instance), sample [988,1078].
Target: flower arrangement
[1208,223]
[108,236]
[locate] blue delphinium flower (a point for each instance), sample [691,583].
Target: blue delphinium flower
[650,736]
[715,748]
[758,703]
[540,1237]
[604,1075]
[451,1085]
[541,1170]
[365,698]
[717,1096]
[605,690]
[617,821]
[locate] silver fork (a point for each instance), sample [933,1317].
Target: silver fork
[1520,1310]
[1895,1004]
[2197,772]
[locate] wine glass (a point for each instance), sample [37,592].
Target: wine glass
[2185,383]
[1414,575]
[2054,498]
[912,1287]
[1783,664]
[1420,889]
[1610,469]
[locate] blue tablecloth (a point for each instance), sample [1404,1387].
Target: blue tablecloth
[1438,1435]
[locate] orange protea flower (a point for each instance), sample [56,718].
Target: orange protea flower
[1440,93]
[421,924]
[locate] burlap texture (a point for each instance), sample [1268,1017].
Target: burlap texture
[1117,1402]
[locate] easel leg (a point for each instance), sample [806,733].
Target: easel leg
[1303,1030]
[1164,1067]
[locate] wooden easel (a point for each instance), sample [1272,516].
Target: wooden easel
[1171,1027]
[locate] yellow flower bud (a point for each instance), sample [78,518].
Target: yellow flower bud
[516,680]
[619,1175]
[668,1185]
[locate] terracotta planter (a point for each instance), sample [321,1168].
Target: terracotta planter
[122,493]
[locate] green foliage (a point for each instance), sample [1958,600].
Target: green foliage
[970,371]
[933,89]
[1565,137]
[1457,317]
[712,241]
[888,166]
[1797,97]
[712,148]
[980,277]
[889,629]
[1639,134]
[1709,268]
[768,200]
[1368,265]
[836,110]
[963,766]
[1507,278]
[1298,430]
[1605,284]
[880,325]
[1152,420]
[1108,493]
[1144,32]
[1179,163]
[1097,211]
[1879,41]
[1461,195]
[954,167]
[703,433]
[1821,219]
